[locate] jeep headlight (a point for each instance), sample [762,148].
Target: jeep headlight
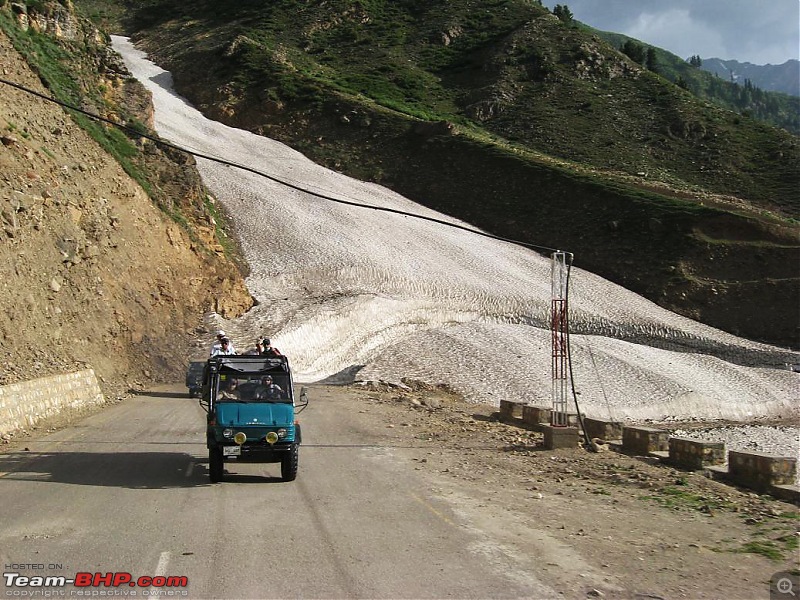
[227,433]
[282,433]
[272,437]
[240,438]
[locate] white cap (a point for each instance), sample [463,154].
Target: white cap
[220,333]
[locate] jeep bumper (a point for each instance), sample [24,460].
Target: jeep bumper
[256,451]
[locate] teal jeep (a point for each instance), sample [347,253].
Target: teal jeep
[251,413]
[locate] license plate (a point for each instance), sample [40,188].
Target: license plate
[231,451]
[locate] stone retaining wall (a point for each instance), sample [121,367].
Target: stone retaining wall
[644,440]
[695,454]
[602,429]
[760,471]
[533,415]
[510,409]
[24,404]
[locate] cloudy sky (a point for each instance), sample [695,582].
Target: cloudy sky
[744,30]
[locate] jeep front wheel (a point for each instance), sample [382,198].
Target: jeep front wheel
[216,465]
[289,463]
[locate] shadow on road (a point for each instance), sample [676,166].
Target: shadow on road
[135,470]
[239,478]
[160,394]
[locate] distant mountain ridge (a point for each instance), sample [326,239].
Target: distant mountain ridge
[783,78]
[780,109]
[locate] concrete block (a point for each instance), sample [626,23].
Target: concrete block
[510,409]
[641,441]
[759,471]
[534,415]
[695,454]
[560,437]
[571,419]
[789,493]
[605,430]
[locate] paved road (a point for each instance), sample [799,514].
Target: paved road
[127,490]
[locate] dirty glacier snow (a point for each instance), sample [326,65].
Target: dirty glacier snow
[350,292]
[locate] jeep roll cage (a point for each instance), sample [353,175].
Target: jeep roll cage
[220,369]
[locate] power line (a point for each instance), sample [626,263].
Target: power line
[288,184]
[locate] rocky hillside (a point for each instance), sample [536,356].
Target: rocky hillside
[94,272]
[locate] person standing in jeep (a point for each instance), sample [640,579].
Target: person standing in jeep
[216,347]
[257,350]
[268,349]
[225,348]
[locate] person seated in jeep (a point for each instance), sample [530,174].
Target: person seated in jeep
[268,390]
[231,391]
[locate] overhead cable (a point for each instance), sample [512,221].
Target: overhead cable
[285,183]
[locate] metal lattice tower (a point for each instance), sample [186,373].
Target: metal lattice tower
[559,332]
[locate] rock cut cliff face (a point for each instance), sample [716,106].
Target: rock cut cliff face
[92,272]
[59,21]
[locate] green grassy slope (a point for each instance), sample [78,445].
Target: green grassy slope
[774,108]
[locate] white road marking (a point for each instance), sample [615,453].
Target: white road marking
[163,562]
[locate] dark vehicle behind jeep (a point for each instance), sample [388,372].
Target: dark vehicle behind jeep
[194,377]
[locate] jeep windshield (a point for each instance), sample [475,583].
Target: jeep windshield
[248,387]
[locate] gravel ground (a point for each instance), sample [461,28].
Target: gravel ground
[352,293]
